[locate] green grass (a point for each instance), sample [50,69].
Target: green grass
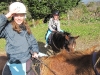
[2,44]
[86,31]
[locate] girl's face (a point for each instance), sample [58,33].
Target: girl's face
[56,17]
[19,18]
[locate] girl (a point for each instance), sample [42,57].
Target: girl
[54,25]
[20,43]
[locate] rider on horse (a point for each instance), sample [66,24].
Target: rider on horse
[54,25]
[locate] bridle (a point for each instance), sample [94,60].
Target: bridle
[55,45]
[95,62]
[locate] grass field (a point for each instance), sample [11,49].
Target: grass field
[88,32]
[85,31]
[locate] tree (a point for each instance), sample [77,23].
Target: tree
[41,8]
[3,7]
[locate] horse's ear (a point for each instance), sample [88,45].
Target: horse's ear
[67,37]
[76,37]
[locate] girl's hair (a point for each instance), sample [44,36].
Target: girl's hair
[18,29]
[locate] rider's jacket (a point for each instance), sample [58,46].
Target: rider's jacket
[18,45]
[54,25]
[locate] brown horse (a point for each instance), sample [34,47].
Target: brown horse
[67,63]
[59,40]
[72,63]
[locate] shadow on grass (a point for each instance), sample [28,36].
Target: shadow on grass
[47,50]
[42,48]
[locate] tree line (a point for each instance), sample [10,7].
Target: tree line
[40,8]
[72,9]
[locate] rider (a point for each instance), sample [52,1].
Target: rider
[21,45]
[54,25]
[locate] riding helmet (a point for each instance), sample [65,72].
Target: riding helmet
[55,12]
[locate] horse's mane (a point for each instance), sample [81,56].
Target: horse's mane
[74,63]
[67,33]
[75,55]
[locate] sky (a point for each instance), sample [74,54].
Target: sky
[86,1]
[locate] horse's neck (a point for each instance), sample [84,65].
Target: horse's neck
[62,55]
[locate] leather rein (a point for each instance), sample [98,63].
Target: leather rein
[40,62]
[55,45]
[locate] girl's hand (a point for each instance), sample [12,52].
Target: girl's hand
[34,55]
[11,13]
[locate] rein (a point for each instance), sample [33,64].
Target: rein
[95,62]
[55,45]
[45,65]
[41,62]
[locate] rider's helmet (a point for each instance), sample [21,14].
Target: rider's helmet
[55,12]
[19,5]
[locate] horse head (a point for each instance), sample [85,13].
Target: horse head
[70,41]
[60,40]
